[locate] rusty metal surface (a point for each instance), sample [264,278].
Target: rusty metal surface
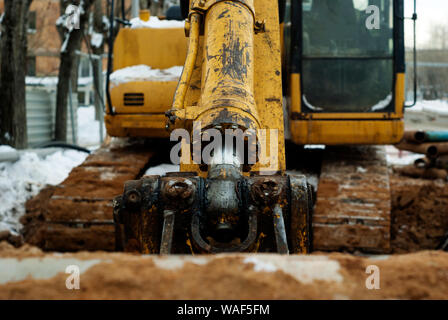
[301,214]
[353,204]
[179,214]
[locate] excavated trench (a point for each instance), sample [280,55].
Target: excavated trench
[414,269]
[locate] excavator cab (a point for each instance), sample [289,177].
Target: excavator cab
[346,80]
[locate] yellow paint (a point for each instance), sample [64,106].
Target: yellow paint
[193,47]
[158,96]
[336,132]
[144,15]
[228,34]
[346,128]
[399,94]
[158,48]
[136,125]
[296,94]
[249,103]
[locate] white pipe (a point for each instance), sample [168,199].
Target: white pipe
[15,155]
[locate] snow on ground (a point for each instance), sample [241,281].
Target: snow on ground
[427,115]
[4,148]
[145,73]
[96,40]
[53,81]
[161,169]
[155,22]
[21,180]
[305,269]
[439,107]
[88,127]
[400,157]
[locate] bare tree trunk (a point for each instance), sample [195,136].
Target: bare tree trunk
[12,76]
[98,28]
[145,4]
[67,68]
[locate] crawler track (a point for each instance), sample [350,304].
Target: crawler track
[353,204]
[352,213]
[77,214]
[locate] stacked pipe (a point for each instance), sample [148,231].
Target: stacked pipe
[432,144]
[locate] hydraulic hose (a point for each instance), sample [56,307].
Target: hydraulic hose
[193,45]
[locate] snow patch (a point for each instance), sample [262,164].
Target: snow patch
[96,39]
[5,148]
[162,169]
[156,23]
[145,73]
[400,157]
[88,127]
[13,270]
[259,265]
[53,81]
[437,107]
[361,170]
[177,262]
[304,269]
[23,179]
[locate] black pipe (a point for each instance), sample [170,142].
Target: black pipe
[123,11]
[109,56]
[414,18]
[62,144]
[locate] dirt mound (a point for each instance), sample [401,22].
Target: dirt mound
[419,213]
[122,276]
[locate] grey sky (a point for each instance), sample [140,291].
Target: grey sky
[429,12]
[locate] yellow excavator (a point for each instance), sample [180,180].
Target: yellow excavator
[309,72]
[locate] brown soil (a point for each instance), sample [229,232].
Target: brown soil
[55,221]
[419,213]
[421,275]
[419,221]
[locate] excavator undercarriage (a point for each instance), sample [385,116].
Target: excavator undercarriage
[349,212]
[232,82]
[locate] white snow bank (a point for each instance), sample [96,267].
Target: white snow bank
[156,23]
[4,148]
[96,40]
[53,81]
[145,73]
[21,180]
[400,157]
[437,107]
[88,127]
[162,169]
[305,269]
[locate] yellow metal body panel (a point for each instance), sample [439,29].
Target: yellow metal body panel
[158,96]
[265,79]
[335,132]
[346,128]
[136,125]
[159,49]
